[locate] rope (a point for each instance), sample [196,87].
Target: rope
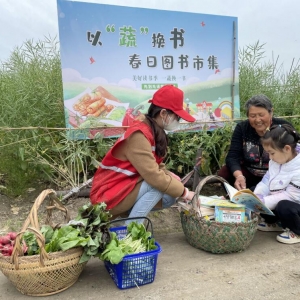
[107,127]
[104,127]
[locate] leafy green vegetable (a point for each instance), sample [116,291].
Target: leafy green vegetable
[89,230]
[118,113]
[65,238]
[95,220]
[31,242]
[137,240]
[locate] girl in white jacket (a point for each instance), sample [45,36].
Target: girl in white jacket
[280,187]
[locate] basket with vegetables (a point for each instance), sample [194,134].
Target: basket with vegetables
[131,256]
[46,260]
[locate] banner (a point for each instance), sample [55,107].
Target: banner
[114,58]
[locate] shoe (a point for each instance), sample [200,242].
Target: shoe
[263,226]
[288,237]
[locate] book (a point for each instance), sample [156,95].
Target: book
[207,212]
[225,210]
[229,214]
[214,201]
[247,198]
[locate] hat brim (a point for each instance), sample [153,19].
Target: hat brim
[184,115]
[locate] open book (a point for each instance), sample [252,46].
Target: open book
[248,198]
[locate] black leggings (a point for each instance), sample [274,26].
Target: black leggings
[288,213]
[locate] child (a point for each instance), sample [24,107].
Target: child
[280,186]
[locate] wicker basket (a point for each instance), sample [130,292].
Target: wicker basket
[215,237]
[47,273]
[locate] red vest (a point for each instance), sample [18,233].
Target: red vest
[115,178]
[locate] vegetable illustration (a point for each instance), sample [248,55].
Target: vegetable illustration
[118,113]
[131,115]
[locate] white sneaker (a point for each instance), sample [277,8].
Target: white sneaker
[288,237]
[263,226]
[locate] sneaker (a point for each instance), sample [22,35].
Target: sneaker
[263,226]
[288,237]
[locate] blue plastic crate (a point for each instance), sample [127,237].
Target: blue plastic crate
[135,269]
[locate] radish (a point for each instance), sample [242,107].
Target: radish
[10,250]
[12,235]
[24,247]
[5,239]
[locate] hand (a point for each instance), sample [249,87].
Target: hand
[190,196]
[240,182]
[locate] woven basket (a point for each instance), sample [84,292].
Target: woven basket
[215,237]
[47,273]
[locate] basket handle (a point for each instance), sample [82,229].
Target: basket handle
[18,248]
[32,220]
[196,201]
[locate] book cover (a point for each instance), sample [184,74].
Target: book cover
[248,198]
[228,214]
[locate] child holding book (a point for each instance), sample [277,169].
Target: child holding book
[279,189]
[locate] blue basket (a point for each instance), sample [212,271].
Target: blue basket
[135,269]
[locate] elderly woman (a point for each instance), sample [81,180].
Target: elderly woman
[246,161]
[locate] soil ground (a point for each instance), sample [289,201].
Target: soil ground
[265,270]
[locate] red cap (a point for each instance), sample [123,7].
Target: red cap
[171,97]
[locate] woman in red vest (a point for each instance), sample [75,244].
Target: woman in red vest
[132,175]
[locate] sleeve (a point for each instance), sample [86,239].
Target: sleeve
[235,153]
[139,153]
[291,193]
[262,188]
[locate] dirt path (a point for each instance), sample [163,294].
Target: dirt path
[265,270]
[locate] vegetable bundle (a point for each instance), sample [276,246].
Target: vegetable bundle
[88,230]
[137,240]
[7,244]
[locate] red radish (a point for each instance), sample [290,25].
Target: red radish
[5,239]
[12,235]
[24,247]
[10,250]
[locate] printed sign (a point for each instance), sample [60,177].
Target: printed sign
[114,58]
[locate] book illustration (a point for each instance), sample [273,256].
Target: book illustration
[247,198]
